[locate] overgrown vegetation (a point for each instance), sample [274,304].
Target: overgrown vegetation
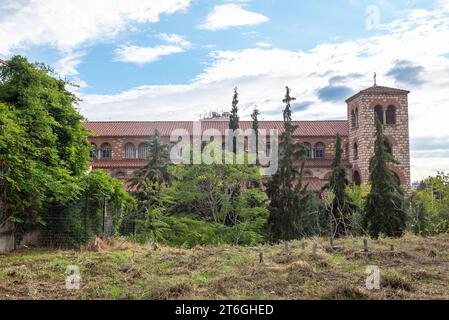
[129,271]
[429,206]
[45,183]
[44,155]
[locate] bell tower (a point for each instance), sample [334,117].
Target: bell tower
[390,106]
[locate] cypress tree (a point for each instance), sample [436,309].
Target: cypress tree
[341,207]
[287,202]
[157,168]
[255,127]
[234,118]
[384,208]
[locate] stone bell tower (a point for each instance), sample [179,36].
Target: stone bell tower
[390,106]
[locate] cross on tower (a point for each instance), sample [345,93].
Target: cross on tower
[375,77]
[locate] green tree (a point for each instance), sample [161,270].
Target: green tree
[147,183]
[385,204]
[234,119]
[207,202]
[340,207]
[157,169]
[82,218]
[290,201]
[430,204]
[255,127]
[39,169]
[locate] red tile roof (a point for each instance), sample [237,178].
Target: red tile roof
[147,128]
[102,164]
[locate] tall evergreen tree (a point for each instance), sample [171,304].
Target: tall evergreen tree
[288,202]
[157,169]
[384,208]
[255,127]
[341,207]
[234,119]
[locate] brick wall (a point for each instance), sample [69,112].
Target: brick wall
[397,134]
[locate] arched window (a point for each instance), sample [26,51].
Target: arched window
[356,178]
[319,151]
[130,151]
[143,151]
[388,146]
[391,115]
[353,122]
[356,118]
[356,151]
[93,152]
[307,173]
[309,150]
[379,113]
[120,175]
[106,151]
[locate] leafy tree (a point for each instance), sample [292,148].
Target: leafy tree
[419,219]
[290,201]
[384,208]
[76,222]
[44,156]
[211,198]
[39,170]
[357,195]
[340,207]
[430,205]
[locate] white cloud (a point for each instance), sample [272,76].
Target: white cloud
[142,55]
[231,15]
[174,39]
[67,66]
[262,73]
[263,44]
[68,24]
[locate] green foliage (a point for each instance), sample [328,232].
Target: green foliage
[385,204]
[430,205]
[357,195]
[234,118]
[44,155]
[43,144]
[419,218]
[79,220]
[255,127]
[289,203]
[340,209]
[206,204]
[157,169]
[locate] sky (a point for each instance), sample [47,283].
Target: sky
[180,59]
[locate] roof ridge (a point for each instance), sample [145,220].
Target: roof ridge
[208,121]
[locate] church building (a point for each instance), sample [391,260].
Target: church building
[121,146]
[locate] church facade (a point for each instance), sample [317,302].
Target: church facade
[120,147]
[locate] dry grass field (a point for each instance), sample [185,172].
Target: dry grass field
[418,268]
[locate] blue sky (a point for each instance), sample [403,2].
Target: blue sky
[177,59]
